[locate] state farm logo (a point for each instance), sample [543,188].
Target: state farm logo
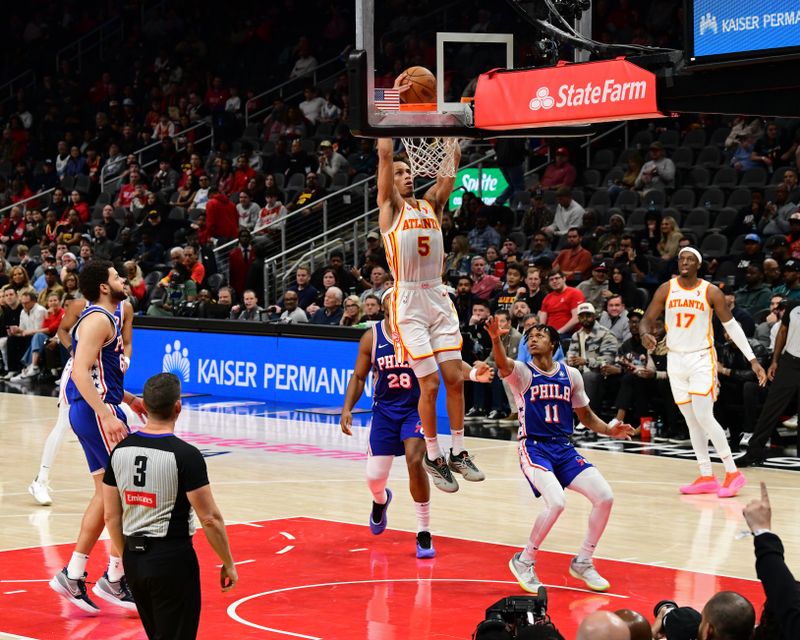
[543,100]
[571,95]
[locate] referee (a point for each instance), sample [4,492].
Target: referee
[151,484]
[785,388]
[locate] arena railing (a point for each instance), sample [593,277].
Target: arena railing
[292,88]
[35,196]
[139,153]
[8,90]
[590,140]
[92,42]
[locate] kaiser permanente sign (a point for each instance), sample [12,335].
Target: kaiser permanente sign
[565,94]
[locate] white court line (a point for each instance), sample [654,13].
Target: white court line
[247,524]
[8,593]
[235,616]
[354,550]
[14,636]
[25,515]
[45,580]
[287,535]
[240,562]
[286,549]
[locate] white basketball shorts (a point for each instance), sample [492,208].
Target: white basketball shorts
[692,374]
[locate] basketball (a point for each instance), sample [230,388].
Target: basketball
[423,86]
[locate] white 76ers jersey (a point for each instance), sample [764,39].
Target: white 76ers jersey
[687,318]
[414,245]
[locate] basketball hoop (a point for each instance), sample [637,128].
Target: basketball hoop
[432,157]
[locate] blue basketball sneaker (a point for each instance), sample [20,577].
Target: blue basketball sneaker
[425,545]
[378,528]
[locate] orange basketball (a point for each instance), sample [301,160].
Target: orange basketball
[423,86]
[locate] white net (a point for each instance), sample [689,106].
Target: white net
[432,157]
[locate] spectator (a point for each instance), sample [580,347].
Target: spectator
[71,289]
[305,63]
[560,173]
[249,311]
[47,178]
[51,286]
[602,625]
[331,311]
[620,284]
[511,154]
[61,158]
[670,237]
[240,259]
[332,112]
[727,616]
[76,164]
[292,313]
[742,158]
[308,195]
[608,243]
[615,318]
[569,214]
[41,337]
[312,105]
[534,294]
[767,150]
[365,160]
[742,127]
[483,285]
[753,254]
[783,597]
[18,279]
[560,306]
[378,282]
[197,271]
[463,301]
[755,296]
[574,262]
[12,228]
[458,261]
[501,398]
[519,311]
[775,217]
[540,250]
[767,330]
[306,292]
[658,172]
[594,288]
[19,337]
[242,174]
[739,314]
[512,289]
[630,375]
[331,162]
[11,310]
[648,238]
[592,347]
[791,278]
[77,203]
[353,309]
[372,310]
[793,237]
[133,273]
[200,197]
[539,215]
[483,235]
[222,218]
[248,211]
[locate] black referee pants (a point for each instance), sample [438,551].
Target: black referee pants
[784,389]
[165,582]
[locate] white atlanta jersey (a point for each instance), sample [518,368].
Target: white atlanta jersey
[414,245]
[687,316]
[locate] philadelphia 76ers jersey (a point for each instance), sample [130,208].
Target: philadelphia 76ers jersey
[107,370]
[414,245]
[394,386]
[545,399]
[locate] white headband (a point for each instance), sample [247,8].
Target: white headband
[694,252]
[386,293]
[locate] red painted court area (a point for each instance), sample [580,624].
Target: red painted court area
[311,578]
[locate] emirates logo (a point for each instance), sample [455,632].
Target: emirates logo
[543,100]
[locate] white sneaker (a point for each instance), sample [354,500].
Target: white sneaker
[19,377]
[744,441]
[791,423]
[39,492]
[524,573]
[585,571]
[30,372]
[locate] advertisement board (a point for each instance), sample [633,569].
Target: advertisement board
[275,368]
[488,184]
[730,29]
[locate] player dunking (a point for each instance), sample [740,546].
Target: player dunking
[124,315]
[425,327]
[546,394]
[395,428]
[687,303]
[95,392]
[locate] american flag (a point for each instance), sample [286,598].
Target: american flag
[387,99]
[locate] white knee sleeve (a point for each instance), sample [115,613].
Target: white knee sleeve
[378,468]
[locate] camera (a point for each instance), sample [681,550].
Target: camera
[666,605]
[515,616]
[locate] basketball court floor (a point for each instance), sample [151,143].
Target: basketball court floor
[291,488]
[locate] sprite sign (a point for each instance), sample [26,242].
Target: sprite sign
[487,185]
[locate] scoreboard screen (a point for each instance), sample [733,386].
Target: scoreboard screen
[730,30]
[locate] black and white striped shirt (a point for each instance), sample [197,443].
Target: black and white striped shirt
[153,473]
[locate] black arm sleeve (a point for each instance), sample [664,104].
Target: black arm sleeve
[778,582]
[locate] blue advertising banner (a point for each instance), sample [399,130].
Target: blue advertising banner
[269,368]
[736,26]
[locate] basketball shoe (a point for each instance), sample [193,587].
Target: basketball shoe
[584,570]
[117,593]
[703,484]
[731,485]
[74,591]
[524,573]
[425,545]
[463,464]
[39,492]
[440,473]
[379,527]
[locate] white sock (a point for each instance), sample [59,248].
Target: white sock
[115,569]
[433,448]
[77,566]
[53,444]
[423,515]
[458,441]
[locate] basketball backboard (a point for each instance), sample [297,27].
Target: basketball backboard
[387,43]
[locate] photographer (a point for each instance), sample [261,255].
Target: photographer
[782,608]
[176,289]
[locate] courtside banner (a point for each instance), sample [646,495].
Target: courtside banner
[565,94]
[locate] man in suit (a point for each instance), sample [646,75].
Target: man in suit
[240,260]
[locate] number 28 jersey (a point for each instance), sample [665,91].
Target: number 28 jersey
[545,399]
[414,245]
[687,317]
[395,390]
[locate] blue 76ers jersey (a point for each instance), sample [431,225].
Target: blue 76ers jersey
[107,373]
[395,389]
[545,399]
